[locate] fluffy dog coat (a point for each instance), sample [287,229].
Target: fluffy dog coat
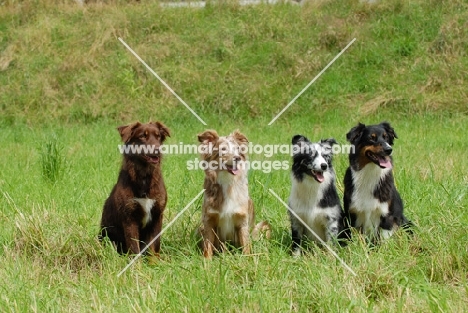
[313,193]
[372,203]
[133,213]
[228,212]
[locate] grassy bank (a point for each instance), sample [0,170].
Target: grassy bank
[63,62]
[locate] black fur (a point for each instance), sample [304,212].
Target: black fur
[330,197]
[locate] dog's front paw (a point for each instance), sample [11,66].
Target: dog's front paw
[296,252]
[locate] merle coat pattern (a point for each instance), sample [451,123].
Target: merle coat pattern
[313,193]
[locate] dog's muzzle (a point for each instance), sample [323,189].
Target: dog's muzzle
[387,149]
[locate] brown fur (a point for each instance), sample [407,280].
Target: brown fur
[124,219]
[241,216]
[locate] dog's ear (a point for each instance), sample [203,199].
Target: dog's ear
[164,131]
[299,138]
[329,142]
[208,136]
[239,137]
[299,144]
[355,133]
[390,131]
[126,131]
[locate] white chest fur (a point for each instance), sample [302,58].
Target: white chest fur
[304,201]
[305,195]
[236,201]
[146,204]
[364,204]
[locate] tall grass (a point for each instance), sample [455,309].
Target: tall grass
[52,159]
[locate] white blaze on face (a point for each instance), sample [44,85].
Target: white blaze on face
[229,153]
[234,148]
[317,162]
[319,159]
[229,148]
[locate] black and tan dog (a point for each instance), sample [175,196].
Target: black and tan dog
[133,213]
[372,203]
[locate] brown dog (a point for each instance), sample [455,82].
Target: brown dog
[133,213]
[228,212]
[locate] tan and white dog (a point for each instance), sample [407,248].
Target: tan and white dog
[228,212]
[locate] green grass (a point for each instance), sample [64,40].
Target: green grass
[53,261]
[52,160]
[66,83]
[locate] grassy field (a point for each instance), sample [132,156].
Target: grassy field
[66,83]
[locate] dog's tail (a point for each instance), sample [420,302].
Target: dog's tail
[262,229]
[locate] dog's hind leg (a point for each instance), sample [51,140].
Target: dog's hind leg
[408,226]
[262,229]
[332,229]
[348,222]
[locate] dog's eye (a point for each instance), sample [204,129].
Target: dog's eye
[385,136]
[373,137]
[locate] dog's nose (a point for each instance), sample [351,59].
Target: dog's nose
[324,166]
[387,148]
[236,159]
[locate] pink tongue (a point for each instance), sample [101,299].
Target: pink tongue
[233,170]
[385,163]
[153,159]
[319,176]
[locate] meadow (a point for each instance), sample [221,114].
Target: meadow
[66,83]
